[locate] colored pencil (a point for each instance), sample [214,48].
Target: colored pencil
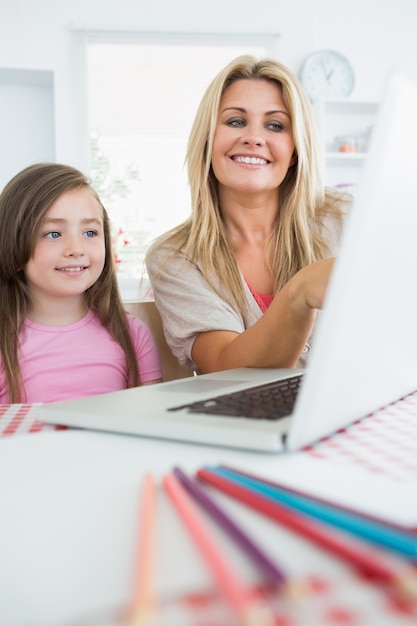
[398,575]
[248,612]
[402,542]
[269,569]
[142,608]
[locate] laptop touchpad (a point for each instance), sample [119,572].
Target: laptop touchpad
[200,385]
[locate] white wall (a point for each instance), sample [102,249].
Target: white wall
[376,35]
[26,119]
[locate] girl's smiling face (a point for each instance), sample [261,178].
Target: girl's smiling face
[253,145]
[70,251]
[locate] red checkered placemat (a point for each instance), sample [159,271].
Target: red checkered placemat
[17,419]
[384,442]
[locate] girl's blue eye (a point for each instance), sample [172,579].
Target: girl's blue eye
[90,233]
[53,234]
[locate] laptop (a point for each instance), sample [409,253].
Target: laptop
[365,349]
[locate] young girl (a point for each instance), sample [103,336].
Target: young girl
[64,332]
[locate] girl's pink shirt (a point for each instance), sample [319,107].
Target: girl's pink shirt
[81,359]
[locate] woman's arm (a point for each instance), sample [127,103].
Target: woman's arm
[279,336]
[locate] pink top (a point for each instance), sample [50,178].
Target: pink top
[81,359]
[263,299]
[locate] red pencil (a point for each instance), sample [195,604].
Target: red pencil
[402,577]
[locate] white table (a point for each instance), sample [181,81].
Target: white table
[69,523]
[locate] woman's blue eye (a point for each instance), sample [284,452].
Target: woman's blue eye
[238,123]
[53,234]
[276,126]
[90,233]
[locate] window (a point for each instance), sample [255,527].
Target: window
[143,93]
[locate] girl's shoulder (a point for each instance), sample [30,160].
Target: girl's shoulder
[138,328]
[134,321]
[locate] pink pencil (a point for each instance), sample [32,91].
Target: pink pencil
[142,608]
[248,612]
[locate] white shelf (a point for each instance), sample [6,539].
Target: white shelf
[341,117]
[354,158]
[345,156]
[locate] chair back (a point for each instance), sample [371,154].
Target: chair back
[147,312]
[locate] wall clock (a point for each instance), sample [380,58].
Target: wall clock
[327,74]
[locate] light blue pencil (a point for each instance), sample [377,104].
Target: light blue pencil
[399,541]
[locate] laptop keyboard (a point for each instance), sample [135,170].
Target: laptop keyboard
[269,401]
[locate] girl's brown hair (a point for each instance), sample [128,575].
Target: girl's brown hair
[24,202]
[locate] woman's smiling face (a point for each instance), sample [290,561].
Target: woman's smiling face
[253,145]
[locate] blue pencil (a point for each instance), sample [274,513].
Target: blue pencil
[378,533]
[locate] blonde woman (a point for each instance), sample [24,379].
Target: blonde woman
[240,282]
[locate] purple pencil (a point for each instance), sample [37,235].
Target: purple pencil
[273,573]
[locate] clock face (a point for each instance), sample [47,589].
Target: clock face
[327,74]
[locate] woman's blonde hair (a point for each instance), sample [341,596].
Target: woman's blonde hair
[24,202]
[303,202]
